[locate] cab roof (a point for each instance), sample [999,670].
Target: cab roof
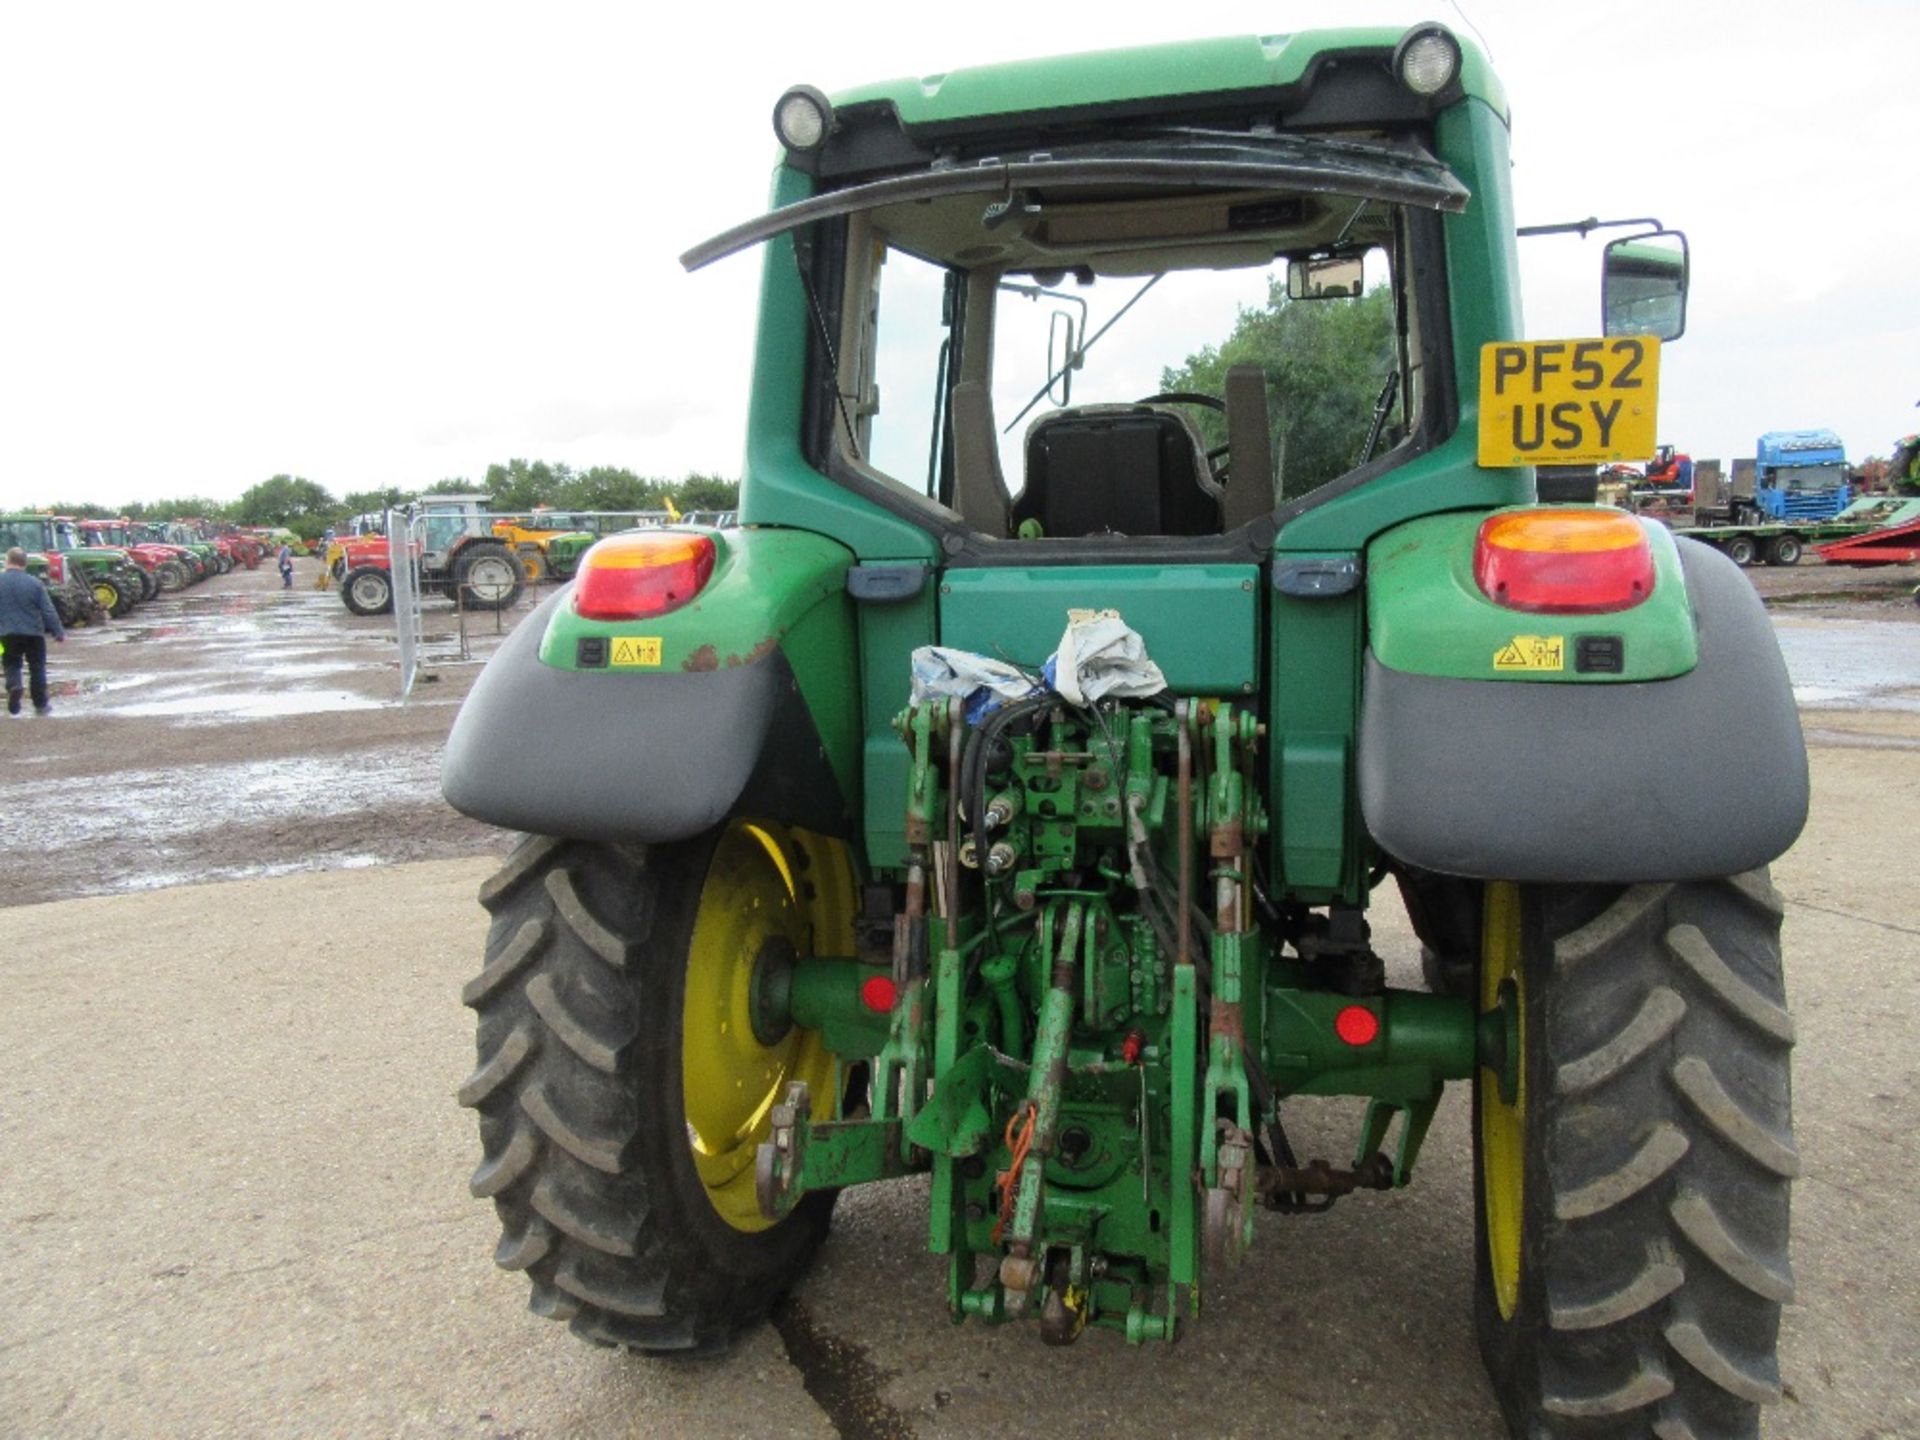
[1183,70]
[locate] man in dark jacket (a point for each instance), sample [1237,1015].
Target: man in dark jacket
[27,617]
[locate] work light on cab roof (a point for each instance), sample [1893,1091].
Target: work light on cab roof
[1427,59]
[803,118]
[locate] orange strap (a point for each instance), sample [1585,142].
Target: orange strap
[1019,1141]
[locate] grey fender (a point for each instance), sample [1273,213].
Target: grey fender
[1682,779]
[623,756]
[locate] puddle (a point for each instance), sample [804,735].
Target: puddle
[153,880]
[307,669]
[72,687]
[1852,664]
[164,807]
[254,706]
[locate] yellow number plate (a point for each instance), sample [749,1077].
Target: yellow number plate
[636,650]
[1569,402]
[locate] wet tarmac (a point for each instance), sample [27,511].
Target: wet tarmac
[1844,664]
[234,730]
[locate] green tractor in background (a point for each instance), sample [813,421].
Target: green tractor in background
[110,576]
[548,542]
[1001,802]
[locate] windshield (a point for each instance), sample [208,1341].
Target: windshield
[1814,477]
[27,534]
[1123,364]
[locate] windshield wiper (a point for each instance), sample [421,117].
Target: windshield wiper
[1252,162]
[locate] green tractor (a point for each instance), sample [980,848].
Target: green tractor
[1002,801]
[548,542]
[112,579]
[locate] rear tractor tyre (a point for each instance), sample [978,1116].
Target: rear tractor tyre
[149,586]
[1631,1180]
[487,577]
[1741,550]
[368,591]
[172,576]
[622,1090]
[1785,550]
[109,595]
[86,609]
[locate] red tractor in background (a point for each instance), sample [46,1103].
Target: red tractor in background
[170,567]
[458,554]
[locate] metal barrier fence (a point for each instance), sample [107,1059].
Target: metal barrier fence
[403,559]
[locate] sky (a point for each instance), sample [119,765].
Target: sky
[389,244]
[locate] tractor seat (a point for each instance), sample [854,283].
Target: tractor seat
[1118,470]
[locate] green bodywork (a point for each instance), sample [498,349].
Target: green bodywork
[771,590]
[1426,616]
[1049,975]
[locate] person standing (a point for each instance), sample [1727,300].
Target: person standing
[286,566]
[27,617]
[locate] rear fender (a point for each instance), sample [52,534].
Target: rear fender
[740,703]
[1697,772]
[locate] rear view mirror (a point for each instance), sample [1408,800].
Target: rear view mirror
[1643,287]
[1340,278]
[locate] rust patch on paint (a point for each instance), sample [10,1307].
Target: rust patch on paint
[758,653]
[705,658]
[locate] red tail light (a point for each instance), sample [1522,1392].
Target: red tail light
[631,577]
[56,568]
[1564,561]
[1357,1026]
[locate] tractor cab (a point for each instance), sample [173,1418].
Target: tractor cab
[449,519]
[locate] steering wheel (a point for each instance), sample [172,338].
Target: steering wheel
[1218,453]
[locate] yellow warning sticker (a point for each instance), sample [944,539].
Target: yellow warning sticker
[633,650]
[1532,652]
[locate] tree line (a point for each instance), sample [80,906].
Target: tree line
[308,508]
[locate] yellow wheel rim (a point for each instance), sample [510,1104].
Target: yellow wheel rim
[766,884]
[105,596]
[1503,1125]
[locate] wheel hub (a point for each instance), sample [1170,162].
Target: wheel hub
[770,991]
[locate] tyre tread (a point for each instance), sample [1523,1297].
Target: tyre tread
[571,1094]
[1662,1251]
[585,925]
[1652,1022]
[1695,1079]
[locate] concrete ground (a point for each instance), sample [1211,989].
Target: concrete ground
[232,1201]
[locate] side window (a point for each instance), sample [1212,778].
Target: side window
[907,368]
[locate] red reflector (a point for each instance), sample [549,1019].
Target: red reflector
[631,577]
[1568,560]
[1357,1025]
[876,993]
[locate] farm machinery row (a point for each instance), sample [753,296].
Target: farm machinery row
[96,569]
